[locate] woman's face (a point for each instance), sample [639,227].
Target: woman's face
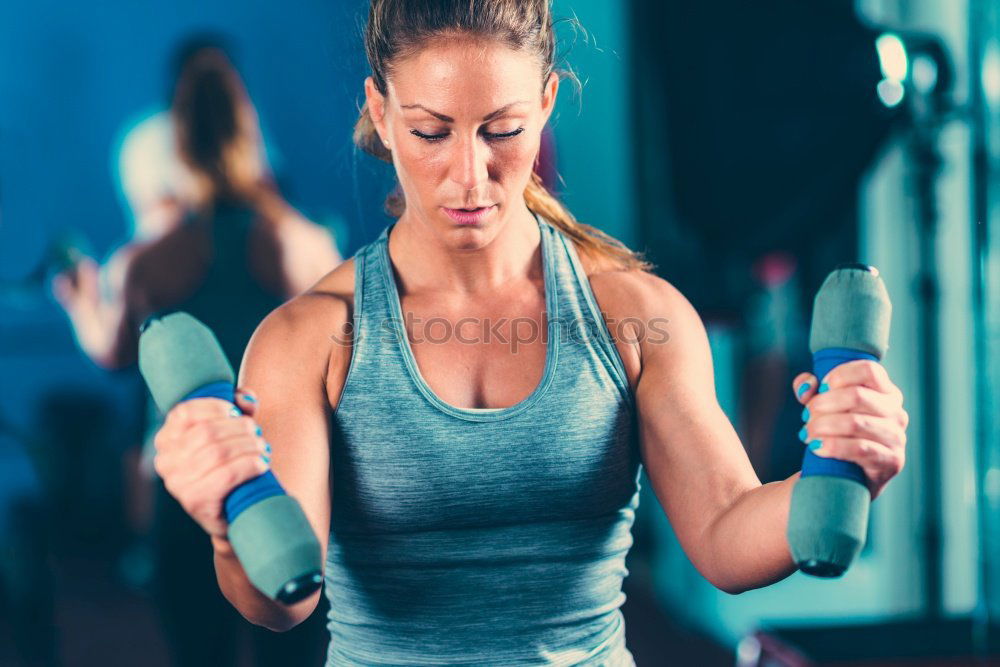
[463,120]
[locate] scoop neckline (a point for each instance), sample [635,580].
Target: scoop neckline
[551,348]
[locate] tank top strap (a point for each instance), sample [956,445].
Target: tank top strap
[582,323]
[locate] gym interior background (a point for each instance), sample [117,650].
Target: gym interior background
[749,148]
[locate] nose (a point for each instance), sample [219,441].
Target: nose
[469,166]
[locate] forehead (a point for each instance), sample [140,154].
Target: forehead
[465,72]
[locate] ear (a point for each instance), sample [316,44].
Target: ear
[549,96]
[376,107]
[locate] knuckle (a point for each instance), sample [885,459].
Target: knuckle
[159,465]
[856,423]
[865,450]
[233,476]
[202,432]
[215,455]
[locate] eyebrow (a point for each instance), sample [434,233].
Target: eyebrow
[449,119]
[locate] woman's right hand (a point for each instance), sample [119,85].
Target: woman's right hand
[204,450]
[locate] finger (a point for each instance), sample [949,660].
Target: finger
[246,401]
[880,463]
[62,288]
[199,464]
[864,372]
[219,482]
[185,413]
[855,398]
[884,430]
[804,386]
[206,433]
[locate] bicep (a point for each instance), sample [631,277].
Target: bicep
[692,454]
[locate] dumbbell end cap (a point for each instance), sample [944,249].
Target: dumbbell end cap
[300,588]
[819,568]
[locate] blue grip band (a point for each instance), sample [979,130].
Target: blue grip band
[825,361]
[251,491]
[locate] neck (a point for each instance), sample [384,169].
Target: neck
[468,262]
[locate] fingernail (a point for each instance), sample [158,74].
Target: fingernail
[803,388]
[235,412]
[248,398]
[265,458]
[267,448]
[824,387]
[802,434]
[815,444]
[805,414]
[259,432]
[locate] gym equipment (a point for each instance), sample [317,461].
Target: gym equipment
[181,359]
[828,518]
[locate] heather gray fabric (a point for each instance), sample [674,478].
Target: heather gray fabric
[481,537]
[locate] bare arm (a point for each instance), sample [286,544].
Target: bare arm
[307,253]
[286,367]
[102,323]
[730,526]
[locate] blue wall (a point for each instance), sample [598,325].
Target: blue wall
[74,76]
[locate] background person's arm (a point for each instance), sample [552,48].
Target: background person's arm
[103,320]
[308,252]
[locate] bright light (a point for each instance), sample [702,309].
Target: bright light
[891,56]
[925,74]
[991,73]
[890,92]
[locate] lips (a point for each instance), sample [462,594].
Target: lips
[469,216]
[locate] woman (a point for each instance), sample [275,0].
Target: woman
[474,486]
[235,255]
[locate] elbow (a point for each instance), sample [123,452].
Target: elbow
[731,589]
[727,584]
[283,619]
[278,622]
[281,626]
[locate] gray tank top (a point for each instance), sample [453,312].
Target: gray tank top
[481,536]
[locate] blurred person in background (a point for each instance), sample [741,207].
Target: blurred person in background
[228,252]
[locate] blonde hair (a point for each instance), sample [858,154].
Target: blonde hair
[397,28]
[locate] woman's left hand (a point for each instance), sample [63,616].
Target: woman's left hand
[856,415]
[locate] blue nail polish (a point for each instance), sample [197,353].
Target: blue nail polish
[824,387]
[259,432]
[235,412]
[815,444]
[265,458]
[248,398]
[802,434]
[803,388]
[805,414]
[267,448]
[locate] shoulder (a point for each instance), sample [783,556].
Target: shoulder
[647,316]
[310,336]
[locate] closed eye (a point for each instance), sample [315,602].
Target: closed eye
[503,135]
[492,136]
